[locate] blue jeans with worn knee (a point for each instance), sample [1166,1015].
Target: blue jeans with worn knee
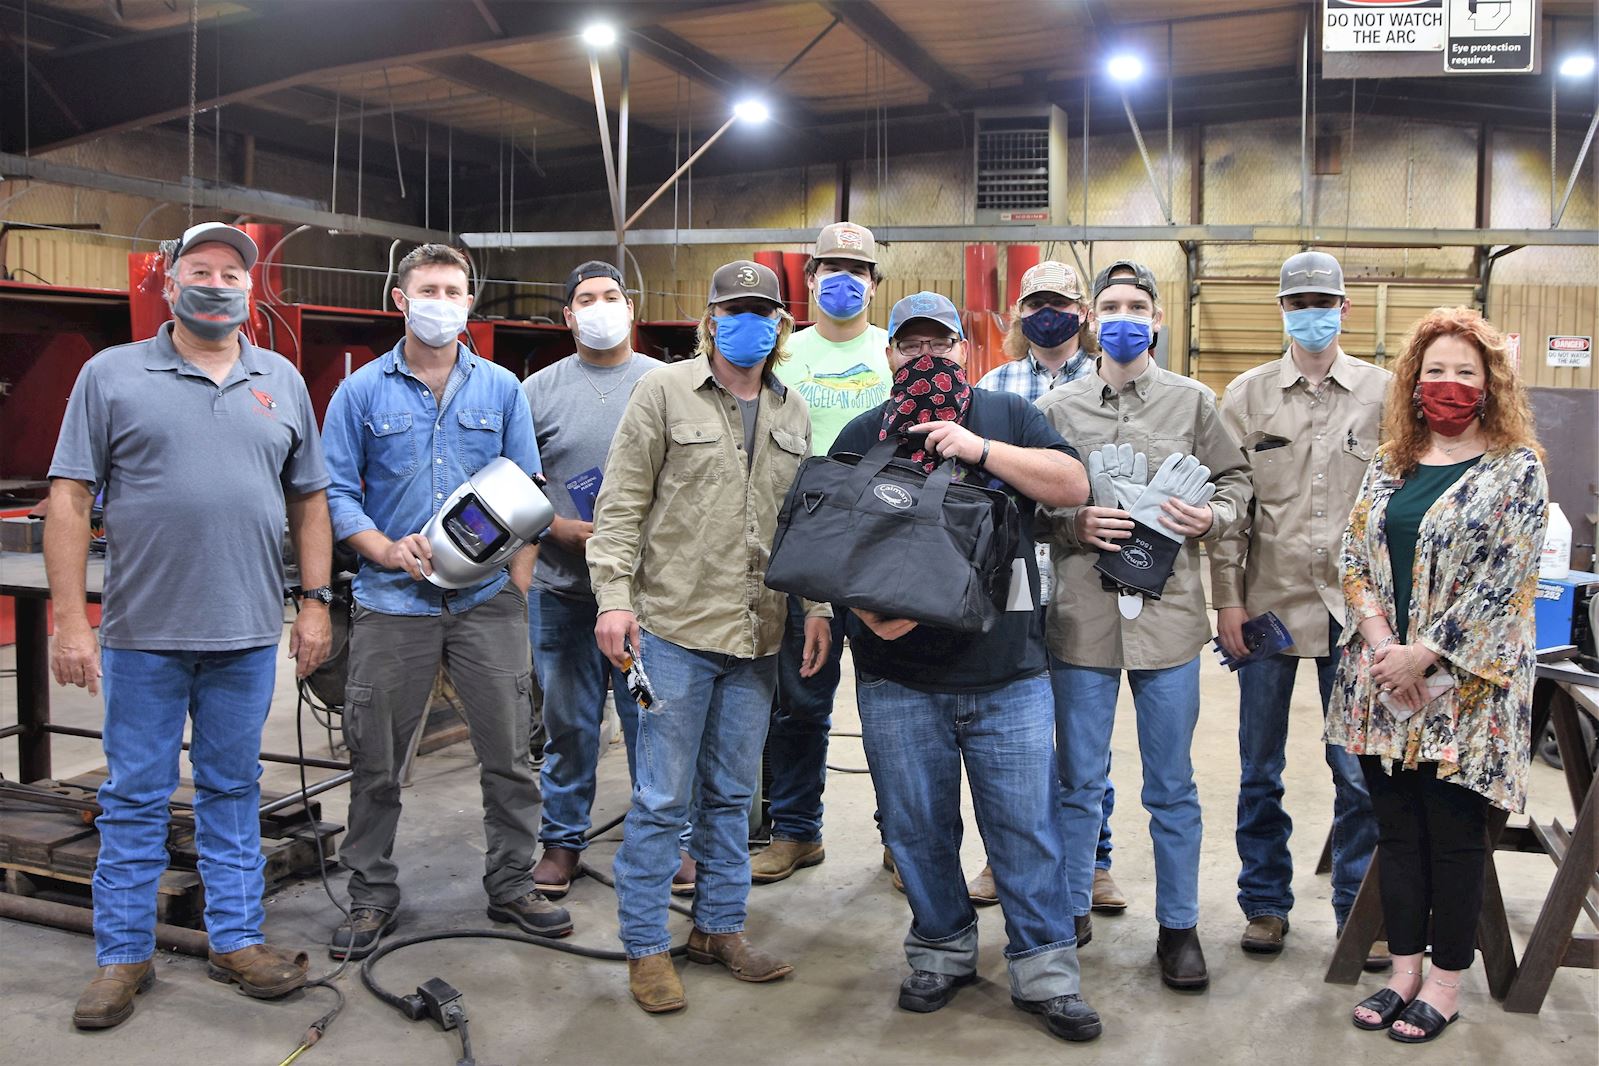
[1266,871]
[709,718]
[149,695]
[574,675]
[915,744]
[801,717]
[1166,703]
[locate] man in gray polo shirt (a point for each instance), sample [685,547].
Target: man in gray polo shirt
[577,404]
[202,444]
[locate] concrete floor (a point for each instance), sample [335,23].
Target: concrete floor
[840,923]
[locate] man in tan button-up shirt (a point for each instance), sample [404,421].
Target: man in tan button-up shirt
[1131,400]
[1308,424]
[682,534]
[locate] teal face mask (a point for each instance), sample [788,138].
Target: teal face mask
[1314,328]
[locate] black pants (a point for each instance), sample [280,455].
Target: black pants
[1432,846]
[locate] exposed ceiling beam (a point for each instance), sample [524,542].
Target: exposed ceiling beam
[50,27]
[491,79]
[229,198]
[284,45]
[318,111]
[884,34]
[703,68]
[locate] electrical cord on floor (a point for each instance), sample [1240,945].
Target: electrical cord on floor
[845,769]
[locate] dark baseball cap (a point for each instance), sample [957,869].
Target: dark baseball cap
[742,278]
[594,268]
[929,305]
[1141,278]
[1311,272]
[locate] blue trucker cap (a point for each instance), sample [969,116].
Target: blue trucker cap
[929,305]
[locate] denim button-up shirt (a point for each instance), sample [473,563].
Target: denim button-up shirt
[394,455]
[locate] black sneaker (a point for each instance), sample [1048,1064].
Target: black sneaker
[357,936]
[925,991]
[1068,1017]
[532,913]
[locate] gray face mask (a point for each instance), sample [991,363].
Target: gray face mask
[211,312]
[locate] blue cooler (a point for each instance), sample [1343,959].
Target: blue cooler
[1555,606]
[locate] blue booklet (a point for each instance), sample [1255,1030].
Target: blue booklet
[585,489]
[1265,636]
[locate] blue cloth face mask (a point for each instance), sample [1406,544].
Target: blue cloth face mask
[1125,337]
[745,339]
[1049,328]
[1313,328]
[841,296]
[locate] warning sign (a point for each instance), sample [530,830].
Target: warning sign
[1570,351]
[1382,26]
[1513,350]
[1490,36]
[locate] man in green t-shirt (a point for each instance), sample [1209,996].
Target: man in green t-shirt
[840,366]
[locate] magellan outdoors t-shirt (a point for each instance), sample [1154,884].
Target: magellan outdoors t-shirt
[942,660]
[838,381]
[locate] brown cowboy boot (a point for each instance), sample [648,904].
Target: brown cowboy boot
[108,1000]
[655,984]
[747,962]
[261,972]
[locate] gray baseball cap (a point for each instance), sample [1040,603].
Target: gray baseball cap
[1311,272]
[742,278]
[928,305]
[222,233]
[1141,278]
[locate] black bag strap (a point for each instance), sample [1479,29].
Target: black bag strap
[931,505]
[872,463]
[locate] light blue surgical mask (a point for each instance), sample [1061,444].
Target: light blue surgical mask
[745,339]
[1313,328]
[1126,337]
[841,296]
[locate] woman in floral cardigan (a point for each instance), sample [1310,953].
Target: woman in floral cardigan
[1435,691]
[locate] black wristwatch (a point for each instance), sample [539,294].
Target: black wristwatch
[322,594]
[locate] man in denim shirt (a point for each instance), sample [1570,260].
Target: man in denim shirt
[401,434]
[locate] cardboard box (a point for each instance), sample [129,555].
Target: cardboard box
[22,534]
[1552,612]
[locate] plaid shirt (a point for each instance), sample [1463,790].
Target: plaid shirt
[1026,377]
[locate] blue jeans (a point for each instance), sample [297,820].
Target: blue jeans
[709,719]
[1265,878]
[915,744]
[801,717]
[1102,849]
[148,696]
[574,676]
[1167,706]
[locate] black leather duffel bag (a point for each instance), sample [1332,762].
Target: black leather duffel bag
[881,534]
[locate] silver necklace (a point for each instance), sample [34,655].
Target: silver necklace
[1451,449]
[585,372]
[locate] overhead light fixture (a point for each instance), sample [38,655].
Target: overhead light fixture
[1125,67]
[599,35]
[752,111]
[1578,66]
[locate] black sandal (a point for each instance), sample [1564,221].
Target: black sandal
[1423,1016]
[1386,1004]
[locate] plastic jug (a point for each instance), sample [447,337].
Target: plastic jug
[1555,561]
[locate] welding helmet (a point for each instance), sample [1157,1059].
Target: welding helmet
[484,522]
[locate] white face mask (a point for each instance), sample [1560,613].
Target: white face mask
[436,323]
[603,325]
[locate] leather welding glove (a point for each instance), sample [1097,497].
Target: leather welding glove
[1118,475]
[1148,556]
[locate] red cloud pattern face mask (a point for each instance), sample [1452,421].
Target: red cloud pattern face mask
[1450,407]
[929,388]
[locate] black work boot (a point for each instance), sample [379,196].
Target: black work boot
[532,913]
[1182,962]
[357,936]
[1068,1017]
[925,991]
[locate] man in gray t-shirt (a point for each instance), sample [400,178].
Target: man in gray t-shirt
[203,445]
[576,405]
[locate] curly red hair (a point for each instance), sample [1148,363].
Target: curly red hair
[1507,420]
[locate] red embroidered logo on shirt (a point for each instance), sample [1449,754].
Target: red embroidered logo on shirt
[265,399]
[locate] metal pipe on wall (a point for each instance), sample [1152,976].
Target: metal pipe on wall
[621,157]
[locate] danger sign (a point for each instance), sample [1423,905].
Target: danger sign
[1382,26]
[1570,351]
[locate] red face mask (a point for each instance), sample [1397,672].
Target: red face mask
[1450,407]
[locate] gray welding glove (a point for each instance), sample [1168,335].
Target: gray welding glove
[1118,475]
[1148,556]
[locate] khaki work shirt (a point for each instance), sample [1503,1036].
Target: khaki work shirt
[684,522]
[1159,413]
[1307,450]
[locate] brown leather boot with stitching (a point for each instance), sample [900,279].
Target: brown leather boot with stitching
[782,857]
[261,972]
[108,1000]
[981,889]
[748,962]
[655,984]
